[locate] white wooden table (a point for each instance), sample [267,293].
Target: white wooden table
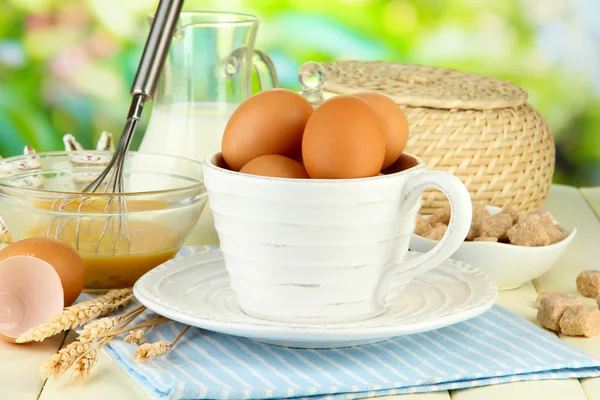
[19,364]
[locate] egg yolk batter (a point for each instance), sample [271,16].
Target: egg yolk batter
[116,252]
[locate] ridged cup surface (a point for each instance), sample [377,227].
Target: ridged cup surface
[309,251]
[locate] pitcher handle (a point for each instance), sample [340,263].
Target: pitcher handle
[267,75]
[397,275]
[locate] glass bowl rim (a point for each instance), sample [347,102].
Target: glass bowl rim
[49,154]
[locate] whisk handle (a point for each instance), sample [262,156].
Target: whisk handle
[156,48]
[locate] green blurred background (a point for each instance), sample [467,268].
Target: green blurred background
[66,65]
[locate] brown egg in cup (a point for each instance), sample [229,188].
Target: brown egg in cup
[277,133]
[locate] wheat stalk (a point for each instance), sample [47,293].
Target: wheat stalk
[83,367]
[60,362]
[103,326]
[82,354]
[78,315]
[137,336]
[147,324]
[92,330]
[148,351]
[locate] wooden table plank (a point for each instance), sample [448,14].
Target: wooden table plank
[592,195]
[547,390]
[419,396]
[20,365]
[591,387]
[520,301]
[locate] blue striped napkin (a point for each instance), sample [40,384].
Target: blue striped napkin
[496,347]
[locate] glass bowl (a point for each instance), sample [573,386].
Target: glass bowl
[119,237]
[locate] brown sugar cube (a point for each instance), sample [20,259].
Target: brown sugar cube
[528,232]
[479,214]
[580,321]
[437,232]
[496,226]
[588,283]
[479,211]
[422,226]
[485,239]
[514,215]
[554,233]
[551,310]
[440,216]
[553,293]
[545,217]
[474,230]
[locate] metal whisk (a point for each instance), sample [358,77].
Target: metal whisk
[110,180]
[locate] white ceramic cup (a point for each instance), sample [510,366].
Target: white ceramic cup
[318,251]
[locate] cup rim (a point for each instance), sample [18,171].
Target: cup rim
[199,184]
[209,163]
[236,18]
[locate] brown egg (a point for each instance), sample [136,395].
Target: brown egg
[393,121]
[270,122]
[65,260]
[275,166]
[343,139]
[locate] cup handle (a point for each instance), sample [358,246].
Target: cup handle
[458,228]
[267,75]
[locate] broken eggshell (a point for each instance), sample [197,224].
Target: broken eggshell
[30,293]
[63,258]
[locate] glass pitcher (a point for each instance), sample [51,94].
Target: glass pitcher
[206,75]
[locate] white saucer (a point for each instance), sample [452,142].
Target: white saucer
[195,290]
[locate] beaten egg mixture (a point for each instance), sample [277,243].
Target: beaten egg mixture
[118,259]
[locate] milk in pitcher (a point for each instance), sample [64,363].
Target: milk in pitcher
[191,130]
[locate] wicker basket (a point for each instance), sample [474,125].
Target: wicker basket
[481,129]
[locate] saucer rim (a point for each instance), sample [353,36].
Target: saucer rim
[272,330]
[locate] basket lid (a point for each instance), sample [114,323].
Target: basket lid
[423,86]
